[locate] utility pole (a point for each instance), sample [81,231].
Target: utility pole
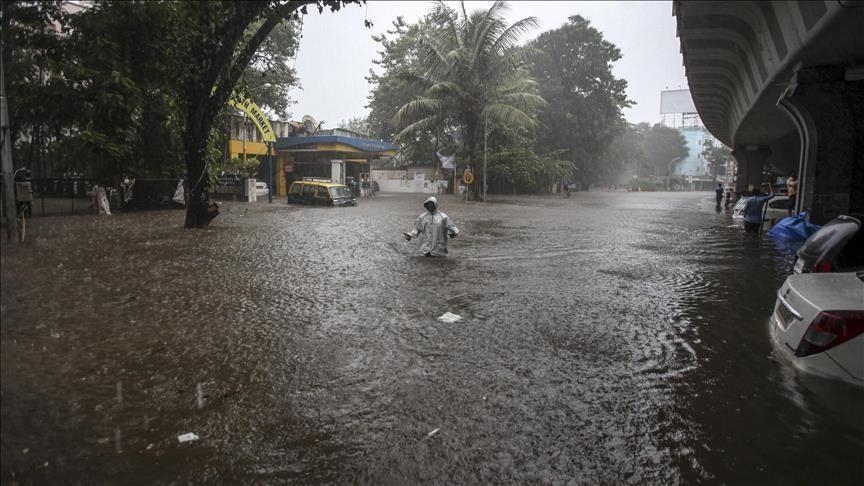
[485,136]
[8,184]
[270,164]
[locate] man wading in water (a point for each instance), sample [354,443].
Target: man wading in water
[433,227]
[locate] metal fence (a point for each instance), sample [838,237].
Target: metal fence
[59,197]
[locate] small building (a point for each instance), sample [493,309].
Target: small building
[338,154]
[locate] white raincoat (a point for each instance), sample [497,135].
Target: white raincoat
[432,228]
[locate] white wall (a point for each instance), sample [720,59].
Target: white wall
[403,181]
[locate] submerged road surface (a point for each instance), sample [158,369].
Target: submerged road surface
[606,338]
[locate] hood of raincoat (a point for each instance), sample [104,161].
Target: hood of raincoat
[434,203]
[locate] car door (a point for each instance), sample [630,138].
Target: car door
[322,197]
[307,196]
[294,194]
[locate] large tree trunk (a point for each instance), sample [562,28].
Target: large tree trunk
[221,70]
[199,210]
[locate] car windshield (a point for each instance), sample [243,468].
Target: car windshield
[340,191]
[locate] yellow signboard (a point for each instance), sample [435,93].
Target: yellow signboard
[258,117]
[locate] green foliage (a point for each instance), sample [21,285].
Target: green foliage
[356,124]
[471,73]
[247,168]
[117,91]
[450,74]
[661,145]
[390,89]
[572,65]
[645,150]
[520,170]
[271,75]
[129,116]
[624,152]
[647,184]
[37,105]
[401,52]
[717,155]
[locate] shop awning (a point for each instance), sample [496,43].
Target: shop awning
[336,143]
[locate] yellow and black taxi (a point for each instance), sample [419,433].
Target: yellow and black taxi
[321,192]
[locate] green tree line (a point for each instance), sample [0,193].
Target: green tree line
[547,111]
[141,87]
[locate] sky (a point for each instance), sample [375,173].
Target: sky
[336,50]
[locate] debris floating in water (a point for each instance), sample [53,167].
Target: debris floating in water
[430,434]
[188,437]
[449,317]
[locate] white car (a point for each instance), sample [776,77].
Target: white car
[818,324]
[774,210]
[261,188]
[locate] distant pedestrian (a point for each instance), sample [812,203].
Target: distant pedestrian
[432,228]
[792,192]
[753,209]
[718,194]
[126,187]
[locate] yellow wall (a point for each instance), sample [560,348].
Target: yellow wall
[281,190]
[235,147]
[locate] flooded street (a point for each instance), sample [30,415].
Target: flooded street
[606,338]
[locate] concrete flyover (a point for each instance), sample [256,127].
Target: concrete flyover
[782,83]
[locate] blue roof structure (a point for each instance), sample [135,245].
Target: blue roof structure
[364,145]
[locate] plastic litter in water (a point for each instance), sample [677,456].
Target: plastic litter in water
[188,437]
[430,434]
[449,317]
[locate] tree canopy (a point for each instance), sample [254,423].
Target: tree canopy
[716,155]
[31,51]
[551,106]
[121,107]
[662,147]
[472,75]
[572,65]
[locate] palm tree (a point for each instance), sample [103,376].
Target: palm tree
[473,74]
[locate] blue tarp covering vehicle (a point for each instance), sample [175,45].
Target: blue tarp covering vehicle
[793,231]
[794,227]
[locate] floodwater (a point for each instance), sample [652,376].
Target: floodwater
[606,338]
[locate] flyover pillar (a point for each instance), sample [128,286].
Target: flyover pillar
[826,104]
[750,159]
